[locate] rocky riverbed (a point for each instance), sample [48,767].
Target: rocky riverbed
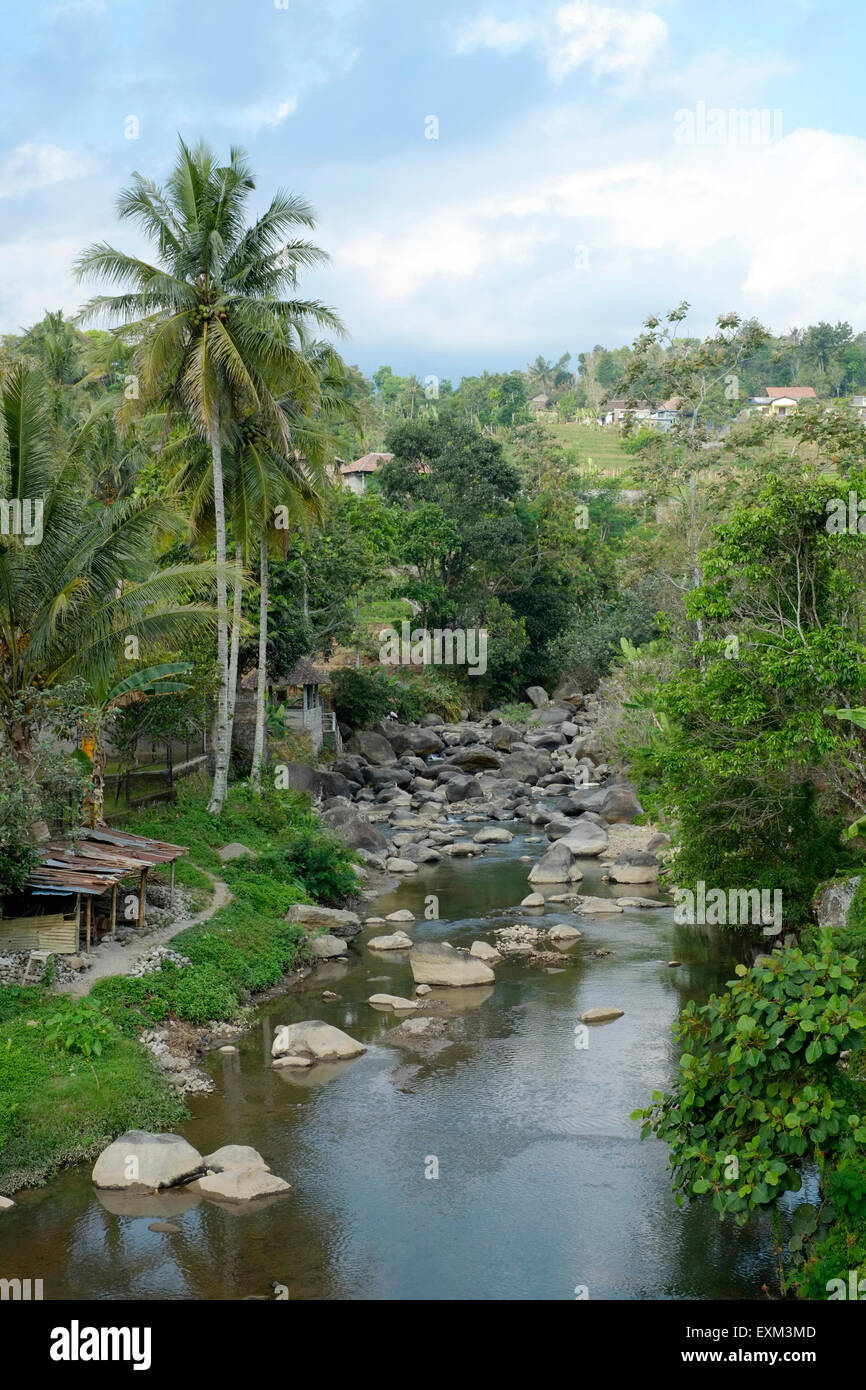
[404,797]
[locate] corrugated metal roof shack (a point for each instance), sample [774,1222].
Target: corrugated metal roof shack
[80,877]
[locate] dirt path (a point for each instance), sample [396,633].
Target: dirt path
[115,958]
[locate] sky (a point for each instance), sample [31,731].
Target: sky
[493,181]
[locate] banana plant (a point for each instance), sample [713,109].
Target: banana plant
[140,685]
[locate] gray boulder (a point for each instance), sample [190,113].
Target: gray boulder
[462,788]
[620,804]
[373,748]
[234,1156]
[354,829]
[503,737]
[314,1041]
[537,696]
[327,947]
[242,1185]
[493,835]
[635,866]
[586,838]
[235,850]
[553,715]
[146,1162]
[833,900]
[438,963]
[336,921]
[404,739]
[476,758]
[556,866]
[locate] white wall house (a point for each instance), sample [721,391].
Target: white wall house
[354,475]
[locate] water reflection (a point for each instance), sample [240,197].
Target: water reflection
[543,1183]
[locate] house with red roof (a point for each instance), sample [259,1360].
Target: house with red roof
[354,475]
[781,401]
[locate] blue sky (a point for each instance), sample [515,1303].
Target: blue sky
[558,205]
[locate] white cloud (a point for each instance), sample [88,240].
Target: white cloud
[450,245]
[37,276]
[31,166]
[612,42]
[773,231]
[486,31]
[263,114]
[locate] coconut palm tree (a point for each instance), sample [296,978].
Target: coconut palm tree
[216,321]
[79,585]
[269,491]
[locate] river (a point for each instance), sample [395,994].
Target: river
[544,1188]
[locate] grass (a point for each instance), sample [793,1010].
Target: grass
[58,1108]
[59,1105]
[600,444]
[385,612]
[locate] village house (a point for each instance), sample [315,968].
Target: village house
[665,417]
[299,701]
[354,475]
[540,403]
[858,405]
[615,412]
[781,401]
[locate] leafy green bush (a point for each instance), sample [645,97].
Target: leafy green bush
[361,698]
[755,1102]
[19,807]
[321,862]
[79,1027]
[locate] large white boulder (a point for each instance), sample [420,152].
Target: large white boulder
[586,838]
[234,1156]
[314,1041]
[146,1162]
[437,963]
[242,1185]
[397,941]
[327,947]
[556,866]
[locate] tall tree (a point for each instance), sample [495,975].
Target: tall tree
[78,580]
[215,319]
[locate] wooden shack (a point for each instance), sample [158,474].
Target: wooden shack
[73,876]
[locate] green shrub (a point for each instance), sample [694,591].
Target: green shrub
[361,698]
[79,1027]
[321,862]
[757,1083]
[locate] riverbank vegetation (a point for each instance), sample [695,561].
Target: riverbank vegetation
[177,520]
[72,1074]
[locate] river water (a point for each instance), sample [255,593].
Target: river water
[543,1189]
